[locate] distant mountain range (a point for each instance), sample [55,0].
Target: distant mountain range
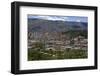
[41,25]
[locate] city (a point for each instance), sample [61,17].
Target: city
[54,38]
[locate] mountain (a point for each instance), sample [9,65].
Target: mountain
[41,25]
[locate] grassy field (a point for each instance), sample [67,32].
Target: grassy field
[53,55]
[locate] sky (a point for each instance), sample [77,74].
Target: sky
[61,18]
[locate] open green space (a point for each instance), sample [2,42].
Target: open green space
[40,54]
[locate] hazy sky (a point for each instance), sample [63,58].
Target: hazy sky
[62,18]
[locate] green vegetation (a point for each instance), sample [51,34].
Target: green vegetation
[75,33]
[39,54]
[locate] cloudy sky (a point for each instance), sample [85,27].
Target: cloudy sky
[62,18]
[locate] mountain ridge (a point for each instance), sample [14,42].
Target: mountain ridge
[41,25]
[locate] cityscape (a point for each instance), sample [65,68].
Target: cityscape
[57,37]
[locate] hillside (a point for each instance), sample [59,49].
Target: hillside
[40,25]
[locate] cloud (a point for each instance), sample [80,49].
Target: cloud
[78,20]
[59,18]
[54,18]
